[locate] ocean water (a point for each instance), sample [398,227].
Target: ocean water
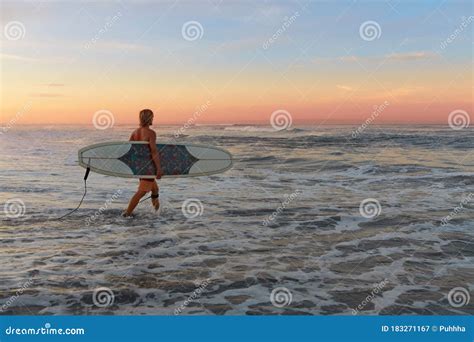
[282,232]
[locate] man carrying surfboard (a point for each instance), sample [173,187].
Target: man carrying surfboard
[145,133]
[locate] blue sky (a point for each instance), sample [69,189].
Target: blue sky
[144,44]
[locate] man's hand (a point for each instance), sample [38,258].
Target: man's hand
[159,173]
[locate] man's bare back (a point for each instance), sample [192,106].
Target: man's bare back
[143,134]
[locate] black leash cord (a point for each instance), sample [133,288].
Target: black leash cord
[84,195]
[82,199]
[144,199]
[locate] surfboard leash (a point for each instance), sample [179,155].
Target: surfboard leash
[88,170]
[144,199]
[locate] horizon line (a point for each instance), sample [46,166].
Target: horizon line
[238,124]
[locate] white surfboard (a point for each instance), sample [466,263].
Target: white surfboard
[132,159]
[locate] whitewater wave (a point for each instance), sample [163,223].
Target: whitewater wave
[265,129]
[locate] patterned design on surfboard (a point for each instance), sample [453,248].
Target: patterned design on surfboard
[178,160]
[133,159]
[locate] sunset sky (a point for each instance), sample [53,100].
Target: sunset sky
[62,61]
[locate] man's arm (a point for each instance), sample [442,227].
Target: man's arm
[155,155]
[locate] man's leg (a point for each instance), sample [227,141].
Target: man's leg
[155,201]
[134,202]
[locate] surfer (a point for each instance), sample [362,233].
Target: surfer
[145,133]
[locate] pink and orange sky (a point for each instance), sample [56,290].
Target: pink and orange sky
[329,62]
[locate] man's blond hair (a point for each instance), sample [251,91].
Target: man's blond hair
[146,117]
